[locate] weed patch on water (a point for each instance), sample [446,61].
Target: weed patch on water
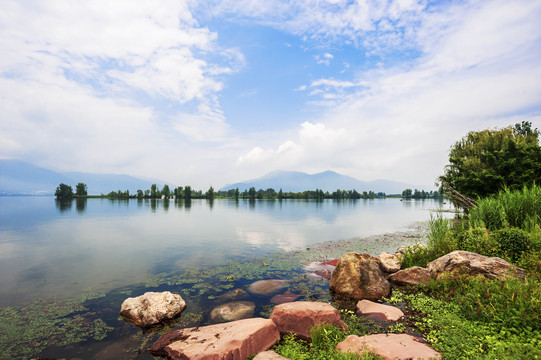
[27,330]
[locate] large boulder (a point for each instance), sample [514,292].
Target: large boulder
[152,308]
[389,346]
[390,263]
[378,311]
[299,317]
[267,287]
[466,262]
[232,311]
[234,340]
[358,276]
[411,276]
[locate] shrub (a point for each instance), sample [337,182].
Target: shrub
[512,242]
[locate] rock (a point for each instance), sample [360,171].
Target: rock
[415,247]
[331,262]
[269,355]
[267,287]
[389,346]
[283,298]
[152,308]
[236,294]
[473,264]
[299,317]
[325,274]
[235,310]
[378,311]
[411,276]
[234,340]
[358,276]
[390,263]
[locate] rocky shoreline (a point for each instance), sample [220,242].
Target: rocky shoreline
[357,277]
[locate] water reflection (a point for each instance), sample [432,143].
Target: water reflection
[63,205]
[80,204]
[108,243]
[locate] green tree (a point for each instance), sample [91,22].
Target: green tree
[210,193]
[407,193]
[140,193]
[483,162]
[252,193]
[165,191]
[188,192]
[236,194]
[63,192]
[153,190]
[81,189]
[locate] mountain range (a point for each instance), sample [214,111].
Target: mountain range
[21,178]
[295,181]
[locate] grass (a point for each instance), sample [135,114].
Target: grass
[474,318]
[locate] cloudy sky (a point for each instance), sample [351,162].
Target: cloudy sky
[213,92]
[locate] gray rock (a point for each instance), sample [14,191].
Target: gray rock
[152,308]
[232,311]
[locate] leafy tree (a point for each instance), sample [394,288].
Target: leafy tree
[165,191]
[483,162]
[252,193]
[63,192]
[81,189]
[407,193]
[188,192]
[140,193]
[153,190]
[210,193]
[236,194]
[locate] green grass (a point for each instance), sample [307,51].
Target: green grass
[475,318]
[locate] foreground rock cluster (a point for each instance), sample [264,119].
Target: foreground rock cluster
[361,277]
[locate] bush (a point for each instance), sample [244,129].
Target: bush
[512,242]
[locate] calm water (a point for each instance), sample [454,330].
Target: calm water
[53,250]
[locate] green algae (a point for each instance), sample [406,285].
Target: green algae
[27,330]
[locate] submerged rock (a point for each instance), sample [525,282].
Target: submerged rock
[473,264]
[233,311]
[152,308]
[378,311]
[283,298]
[236,294]
[358,276]
[299,317]
[389,346]
[267,287]
[234,340]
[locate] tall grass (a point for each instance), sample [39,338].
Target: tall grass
[520,209]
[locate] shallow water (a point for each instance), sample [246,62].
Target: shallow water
[110,250]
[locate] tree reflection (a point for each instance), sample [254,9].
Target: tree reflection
[80,204]
[64,205]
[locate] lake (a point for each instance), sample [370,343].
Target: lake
[91,254]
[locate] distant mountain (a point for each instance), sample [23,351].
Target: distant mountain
[295,181]
[21,178]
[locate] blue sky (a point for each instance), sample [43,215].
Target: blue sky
[213,92]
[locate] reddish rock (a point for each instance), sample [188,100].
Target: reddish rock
[269,355]
[299,317]
[284,298]
[473,264]
[378,311]
[232,311]
[389,346]
[234,340]
[325,273]
[331,262]
[267,287]
[411,276]
[358,276]
[390,263]
[152,308]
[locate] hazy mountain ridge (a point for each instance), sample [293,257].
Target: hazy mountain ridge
[295,181]
[21,178]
